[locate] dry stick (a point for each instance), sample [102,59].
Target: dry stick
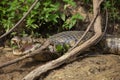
[86,31]
[106,26]
[106,23]
[56,63]
[5,34]
[38,51]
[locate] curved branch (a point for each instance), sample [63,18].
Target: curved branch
[88,28]
[5,34]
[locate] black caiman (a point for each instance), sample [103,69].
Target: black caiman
[61,42]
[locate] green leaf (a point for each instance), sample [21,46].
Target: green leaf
[70,22]
[71,2]
[63,17]
[59,48]
[62,48]
[77,16]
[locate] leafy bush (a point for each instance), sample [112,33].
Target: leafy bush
[69,23]
[111,5]
[113,9]
[12,11]
[46,11]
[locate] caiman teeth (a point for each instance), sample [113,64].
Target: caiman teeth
[26,49]
[17,52]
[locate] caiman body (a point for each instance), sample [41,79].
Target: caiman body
[69,37]
[108,43]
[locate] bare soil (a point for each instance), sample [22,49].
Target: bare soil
[91,67]
[96,67]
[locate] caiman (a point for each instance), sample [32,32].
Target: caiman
[61,42]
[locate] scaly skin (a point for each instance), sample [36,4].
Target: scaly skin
[69,37]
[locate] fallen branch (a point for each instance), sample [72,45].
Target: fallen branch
[16,25]
[63,59]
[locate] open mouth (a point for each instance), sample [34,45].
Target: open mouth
[26,49]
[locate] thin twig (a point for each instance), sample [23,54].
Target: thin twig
[16,25]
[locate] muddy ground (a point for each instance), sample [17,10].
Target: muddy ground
[90,67]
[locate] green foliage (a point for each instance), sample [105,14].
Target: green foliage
[71,2]
[8,13]
[12,11]
[113,9]
[46,13]
[111,5]
[59,48]
[69,23]
[49,11]
[62,48]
